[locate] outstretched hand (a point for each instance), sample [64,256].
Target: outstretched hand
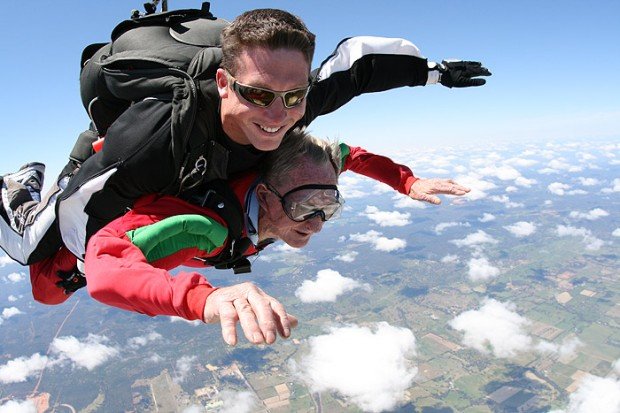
[461,73]
[261,316]
[425,189]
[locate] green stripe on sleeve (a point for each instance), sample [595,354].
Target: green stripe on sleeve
[344,153]
[176,233]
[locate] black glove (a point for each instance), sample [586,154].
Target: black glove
[460,73]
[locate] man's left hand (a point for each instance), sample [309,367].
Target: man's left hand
[425,189]
[462,73]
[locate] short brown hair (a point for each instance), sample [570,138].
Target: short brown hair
[270,28]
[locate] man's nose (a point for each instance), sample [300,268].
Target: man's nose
[314,224]
[276,111]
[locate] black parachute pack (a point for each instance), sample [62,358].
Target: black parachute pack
[171,56]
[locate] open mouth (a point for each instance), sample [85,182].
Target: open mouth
[268,129]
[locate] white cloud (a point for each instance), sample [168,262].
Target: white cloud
[494,328]
[522,162]
[616,367]
[379,242]
[594,394]
[386,218]
[525,182]
[450,258]
[403,201]
[481,270]
[87,354]
[615,187]
[568,348]
[347,256]
[504,173]
[504,199]
[16,277]
[328,286]
[592,243]
[141,341]
[511,189]
[474,239]
[18,406]
[237,402]
[616,232]
[478,186]
[486,217]
[10,312]
[439,228]
[282,247]
[174,319]
[6,260]
[183,367]
[588,181]
[339,361]
[558,188]
[20,369]
[591,215]
[521,229]
[12,298]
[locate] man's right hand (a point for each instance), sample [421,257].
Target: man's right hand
[261,316]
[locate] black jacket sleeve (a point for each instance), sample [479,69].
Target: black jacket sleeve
[363,64]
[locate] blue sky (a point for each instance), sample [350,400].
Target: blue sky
[556,71]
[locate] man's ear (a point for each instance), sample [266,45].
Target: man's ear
[222,83]
[261,194]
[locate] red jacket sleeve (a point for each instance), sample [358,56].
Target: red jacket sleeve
[119,275]
[377,167]
[44,276]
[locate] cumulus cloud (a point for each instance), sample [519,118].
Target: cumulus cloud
[521,229]
[474,239]
[592,243]
[558,188]
[183,367]
[135,343]
[591,215]
[481,270]
[328,286]
[175,319]
[403,201]
[568,348]
[522,162]
[594,394]
[616,232]
[486,217]
[282,247]
[347,256]
[18,406]
[349,186]
[511,188]
[588,181]
[10,312]
[20,369]
[12,298]
[6,260]
[339,361]
[386,218]
[614,188]
[439,228]
[450,258]
[504,173]
[495,328]
[87,354]
[15,277]
[504,199]
[478,186]
[237,402]
[525,182]
[379,242]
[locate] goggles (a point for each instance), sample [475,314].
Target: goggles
[263,97]
[308,201]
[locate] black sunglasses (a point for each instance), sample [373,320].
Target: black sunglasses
[264,97]
[308,201]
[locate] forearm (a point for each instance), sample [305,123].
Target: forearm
[377,167]
[119,275]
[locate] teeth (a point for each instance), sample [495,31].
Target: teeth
[270,130]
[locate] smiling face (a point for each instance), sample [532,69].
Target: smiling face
[273,222]
[278,70]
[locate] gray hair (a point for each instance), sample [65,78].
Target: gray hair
[298,144]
